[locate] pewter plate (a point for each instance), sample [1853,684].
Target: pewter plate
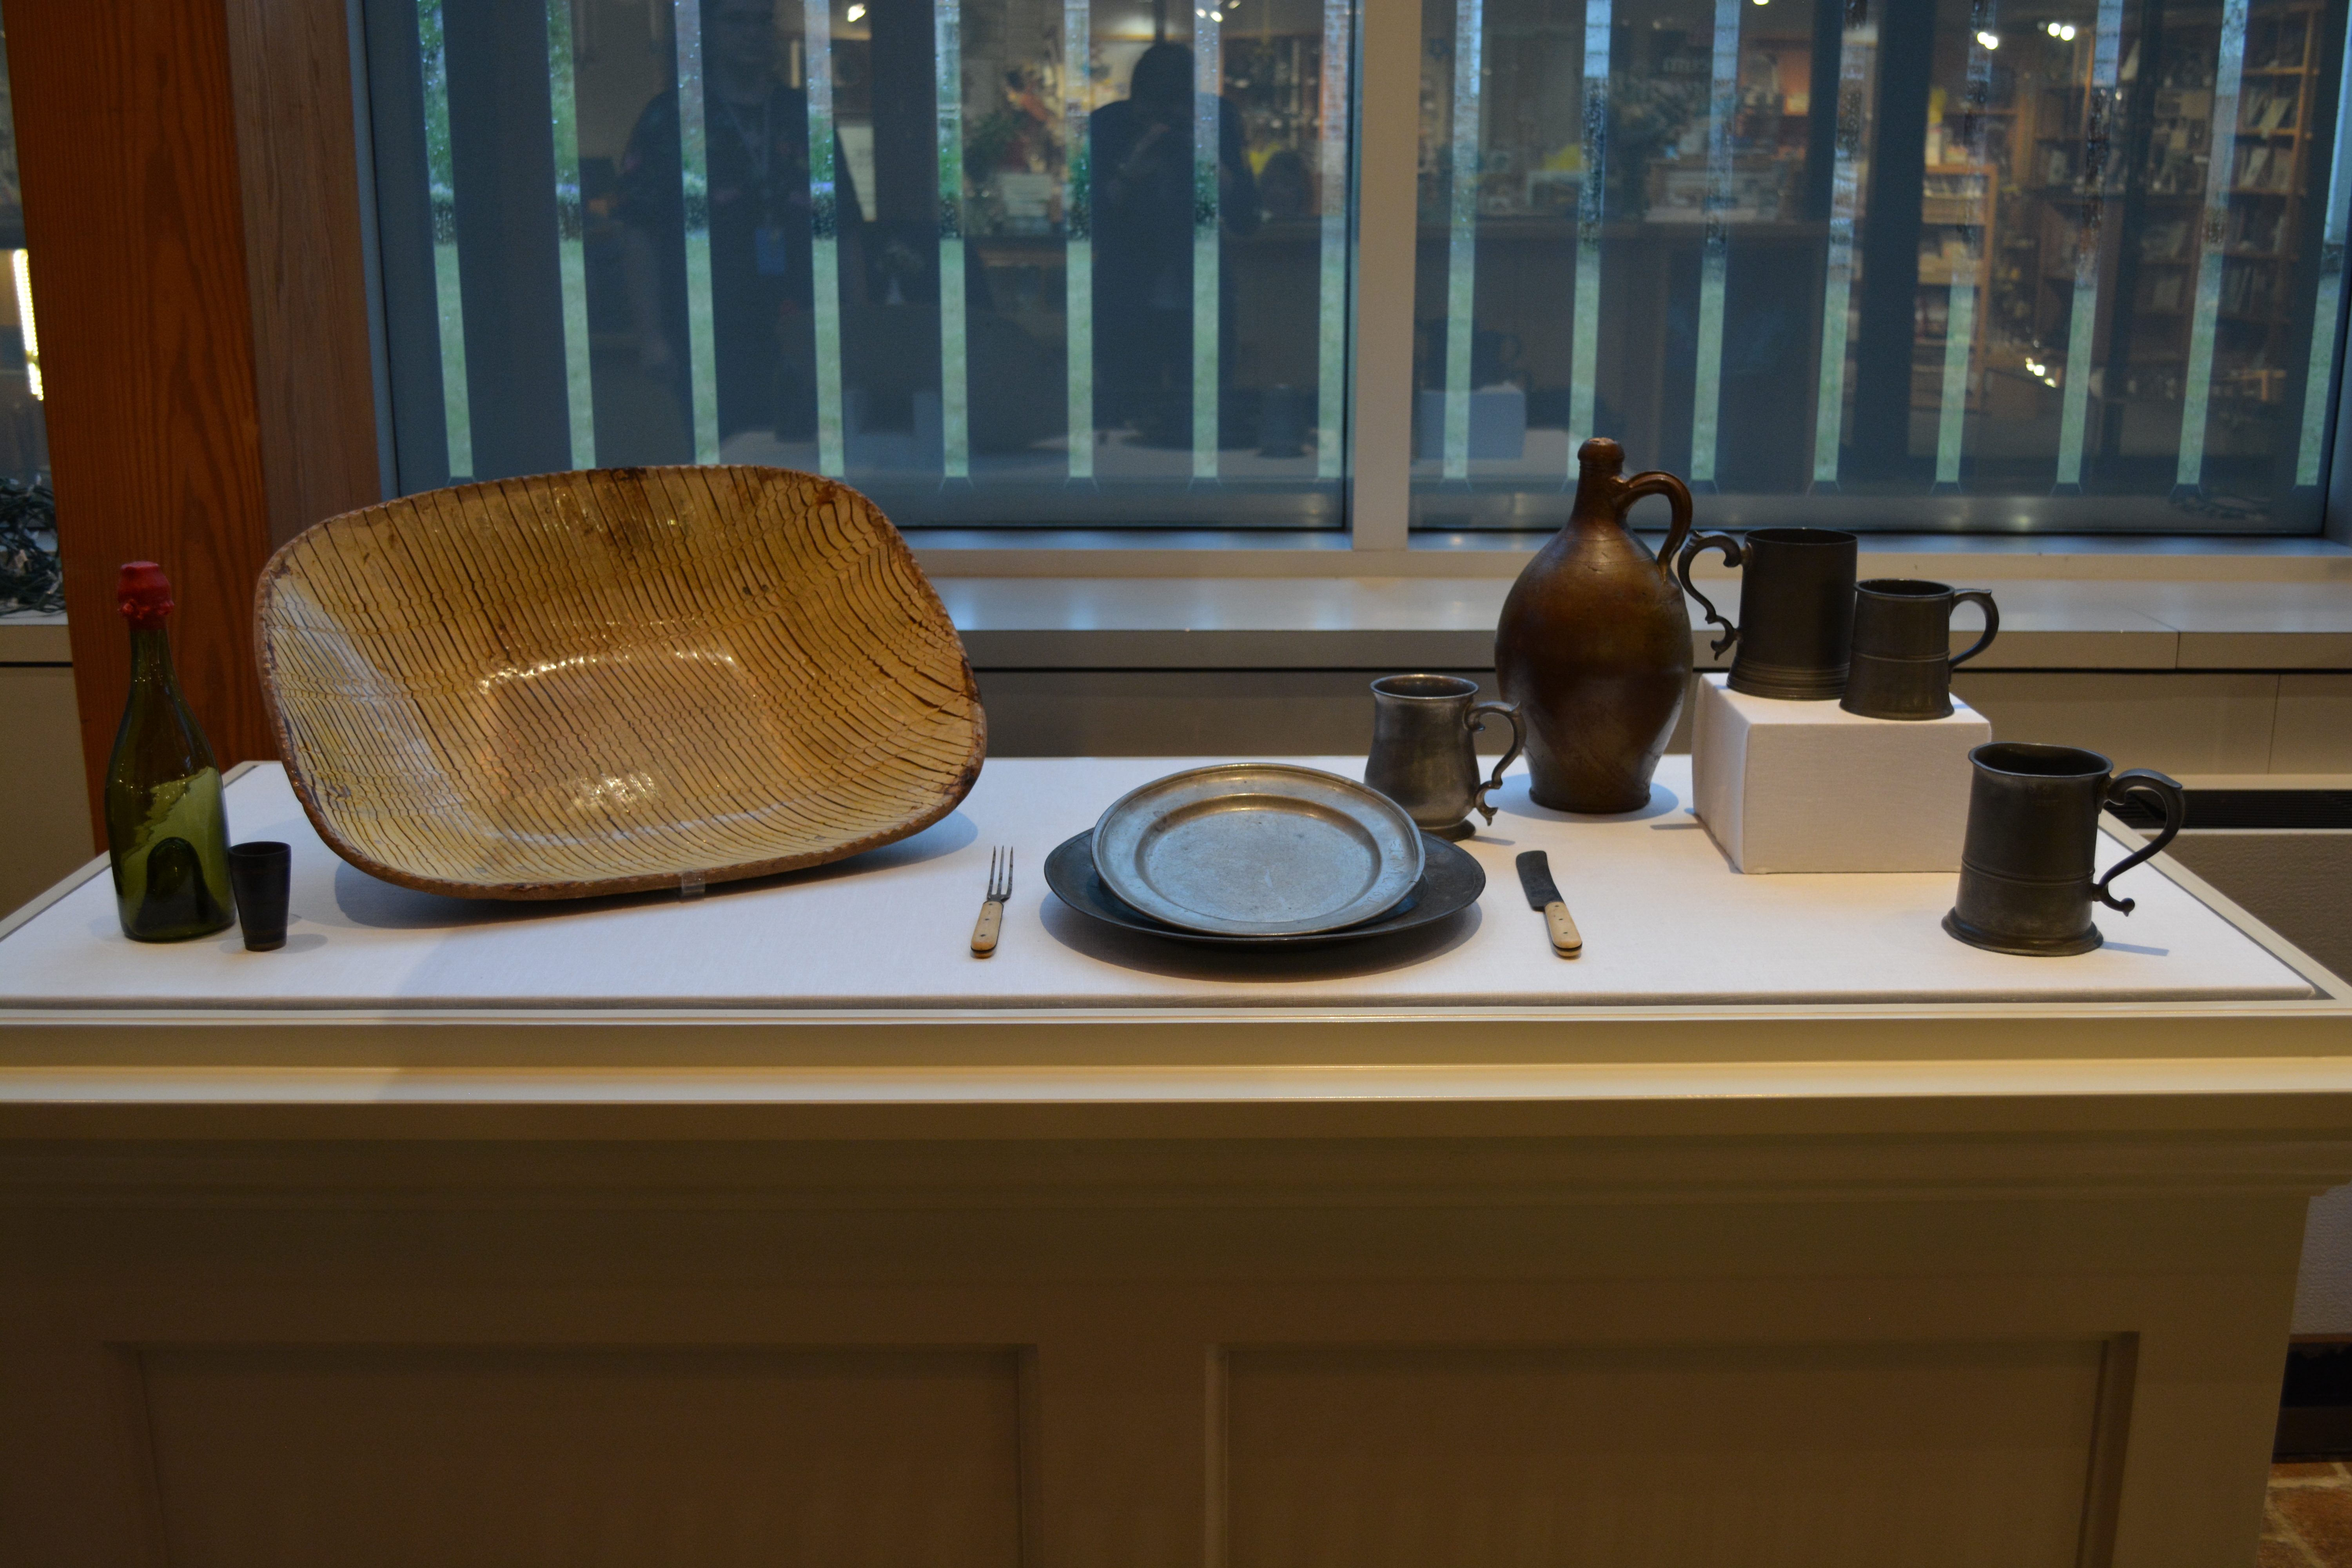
[1451,883]
[1257,849]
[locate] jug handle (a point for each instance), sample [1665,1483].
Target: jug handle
[2176,811]
[1993,622]
[1475,722]
[1731,557]
[1658,482]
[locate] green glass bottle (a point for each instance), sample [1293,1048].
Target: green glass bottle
[166,832]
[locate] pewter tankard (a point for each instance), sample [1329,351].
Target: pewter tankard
[1423,757]
[1796,610]
[2027,865]
[1903,659]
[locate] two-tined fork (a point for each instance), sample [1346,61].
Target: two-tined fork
[992,913]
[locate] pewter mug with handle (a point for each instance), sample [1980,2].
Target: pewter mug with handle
[1423,756]
[1796,610]
[1903,660]
[2028,862]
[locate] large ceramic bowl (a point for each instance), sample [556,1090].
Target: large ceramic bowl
[625,679]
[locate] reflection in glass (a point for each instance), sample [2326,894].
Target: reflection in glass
[1461,221]
[1590,182]
[955,381]
[2082,313]
[2044,263]
[570,256]
[824,233]
[693,218]
[990,260]
[1077,228]
[24,434]
[2325,312]
[441,187]
[1858,48]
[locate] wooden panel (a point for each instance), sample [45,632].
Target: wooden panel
[451,1458]
[136,227]
[290,63]
[2182,723]
[2315,724]
[1123,1260]
[1920,1454]
[41,795]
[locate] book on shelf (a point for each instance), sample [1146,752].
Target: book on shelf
[2256,229]
[2164,241]
[2264,168]
[2161,293]
[2278,45]
[2245,289]
[2270,109]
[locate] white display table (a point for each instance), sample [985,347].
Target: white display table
[1664,926]
[1777,1229]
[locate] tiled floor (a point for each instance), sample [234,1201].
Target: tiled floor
[2308,1523]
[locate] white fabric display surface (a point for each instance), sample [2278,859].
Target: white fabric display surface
[1666,922]
[1807,786]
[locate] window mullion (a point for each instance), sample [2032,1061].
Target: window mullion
[1380,457]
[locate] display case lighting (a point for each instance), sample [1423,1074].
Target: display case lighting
[20,263]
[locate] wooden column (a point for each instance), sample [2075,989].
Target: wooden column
[306,272]
[199,409]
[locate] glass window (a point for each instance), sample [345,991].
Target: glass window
[2072,264]
[24,437]
[992,261]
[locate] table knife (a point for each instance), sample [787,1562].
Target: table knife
[1543,893]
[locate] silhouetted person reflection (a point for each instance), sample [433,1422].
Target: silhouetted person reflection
[1285,186]
[761,283]
[1141,156]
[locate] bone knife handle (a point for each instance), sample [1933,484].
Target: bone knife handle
[992,918]
[1565,938]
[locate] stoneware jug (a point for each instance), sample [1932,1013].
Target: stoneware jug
[1595,645]
[1425,753]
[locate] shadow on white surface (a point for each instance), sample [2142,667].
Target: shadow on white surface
[1512,800]
[360,899]
[1243,966]
[296,941]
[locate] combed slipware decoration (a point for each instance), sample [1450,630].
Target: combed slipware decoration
[613,681]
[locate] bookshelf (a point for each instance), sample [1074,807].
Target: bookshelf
[2268,153]
[2278,98]
[1959,197]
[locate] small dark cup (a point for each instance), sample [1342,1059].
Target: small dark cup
[260,874]
[1903,661]
[1796,610]
[2033,829]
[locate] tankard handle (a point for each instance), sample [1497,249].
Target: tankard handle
[2176,809]
[1731,557]
[1993,622]
[1475,721]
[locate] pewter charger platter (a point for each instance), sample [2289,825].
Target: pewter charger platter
[1257,849]
[1451,883]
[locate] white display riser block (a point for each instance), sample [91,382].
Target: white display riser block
[1808,786]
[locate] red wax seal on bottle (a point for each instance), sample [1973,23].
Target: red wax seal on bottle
[144,594]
